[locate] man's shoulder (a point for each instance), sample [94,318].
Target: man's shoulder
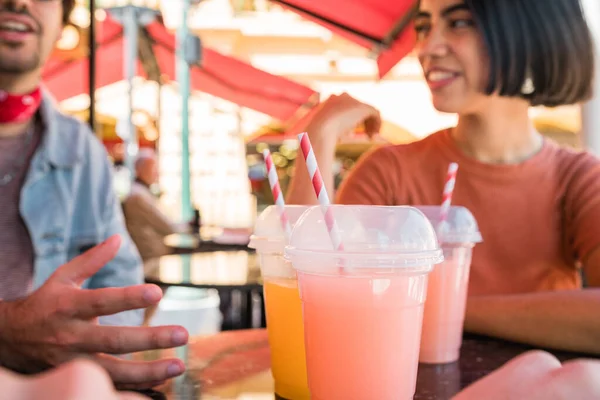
[70,143]
[69,122]
[138,192]
[79,132]
[139,196]
[69,140]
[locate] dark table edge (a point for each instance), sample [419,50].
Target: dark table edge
[251,286]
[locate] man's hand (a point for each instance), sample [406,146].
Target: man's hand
[58,323]
[538,375]
[76,380]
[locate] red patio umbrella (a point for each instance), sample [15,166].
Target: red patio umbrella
[235,80]
[69,78]
[218,75]
[382,26]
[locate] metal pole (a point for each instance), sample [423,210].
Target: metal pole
[590,111]
[92,66]
[130,32]
[183,78]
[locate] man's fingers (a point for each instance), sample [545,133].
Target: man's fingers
[130,339]
[124,372]
[99,302]
[86,265]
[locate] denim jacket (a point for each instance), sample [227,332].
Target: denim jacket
[69,205]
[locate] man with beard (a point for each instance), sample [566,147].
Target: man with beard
[58,202]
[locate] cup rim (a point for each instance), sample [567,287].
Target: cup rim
[389,259]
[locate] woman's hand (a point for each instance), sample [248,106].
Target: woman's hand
[338,116]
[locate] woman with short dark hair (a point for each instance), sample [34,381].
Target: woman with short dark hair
[537,204]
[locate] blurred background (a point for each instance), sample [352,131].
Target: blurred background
[256,72]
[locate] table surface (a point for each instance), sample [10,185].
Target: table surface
[233,269]
[209,239]
[182,241]
[236,365]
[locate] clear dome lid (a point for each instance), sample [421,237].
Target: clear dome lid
[371,236]
[459,228]
[269,235]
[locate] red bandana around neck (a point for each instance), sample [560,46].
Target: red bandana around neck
[15,109]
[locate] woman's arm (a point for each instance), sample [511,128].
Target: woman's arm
[334,118]
[566,320]
[563,320]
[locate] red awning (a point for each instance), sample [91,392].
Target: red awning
[67,79]
[218,75]
[235,80]
[383,26]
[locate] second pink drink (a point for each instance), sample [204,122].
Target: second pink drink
[444,314]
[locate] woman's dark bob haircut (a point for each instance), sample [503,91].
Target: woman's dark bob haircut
[68,6]
[547,40]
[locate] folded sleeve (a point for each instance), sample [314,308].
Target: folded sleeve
[582,206]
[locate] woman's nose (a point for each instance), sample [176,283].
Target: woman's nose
[433,45]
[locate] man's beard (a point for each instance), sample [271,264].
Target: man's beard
[18,65]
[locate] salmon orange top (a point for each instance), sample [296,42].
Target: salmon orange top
[538,219]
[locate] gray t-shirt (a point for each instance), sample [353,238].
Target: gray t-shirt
[16,249]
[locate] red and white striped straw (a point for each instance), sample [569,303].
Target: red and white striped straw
[448,192]
[277,195]
[320,190]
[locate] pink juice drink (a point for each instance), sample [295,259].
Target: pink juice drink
[363,306]
[365,331]
[445,307]
[444,313]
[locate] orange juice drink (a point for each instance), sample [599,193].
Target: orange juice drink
[286,338]
[363,301]
[444,314]
[282,303]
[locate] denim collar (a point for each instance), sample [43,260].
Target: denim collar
[61,139]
